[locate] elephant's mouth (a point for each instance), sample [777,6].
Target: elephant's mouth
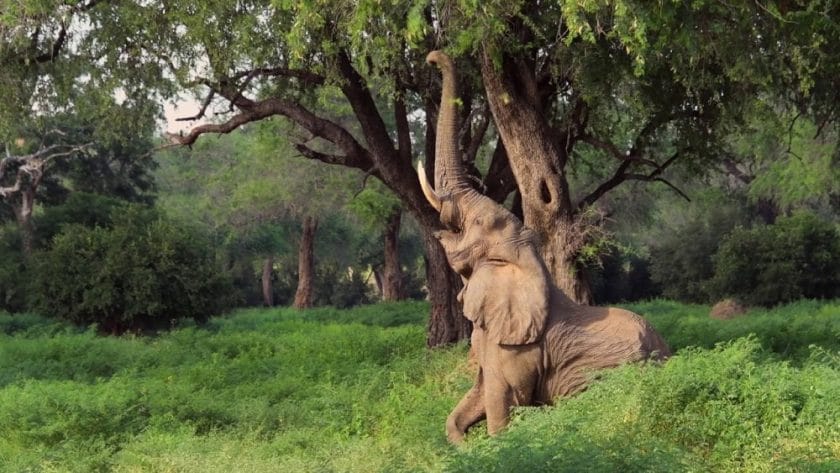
[461,262]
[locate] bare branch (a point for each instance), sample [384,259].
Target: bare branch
[478,136]
[33,164]
[622,175]
[642,177]
[355,155]
[631,155]
[201,112]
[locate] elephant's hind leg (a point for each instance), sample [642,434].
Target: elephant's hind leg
[469,411]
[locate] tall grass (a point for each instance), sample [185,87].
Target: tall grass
[329,390]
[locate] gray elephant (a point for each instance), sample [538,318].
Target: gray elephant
[532,342]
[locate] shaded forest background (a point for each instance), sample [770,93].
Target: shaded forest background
[651,158]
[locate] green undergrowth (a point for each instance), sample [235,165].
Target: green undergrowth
[357,391]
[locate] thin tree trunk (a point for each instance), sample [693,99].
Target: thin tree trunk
[392,277]
[267,285]
[23,215]
[304,295]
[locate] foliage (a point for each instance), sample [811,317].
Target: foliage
[316,390]
[684,237]
[12,267]
[145,271]
[80,208]
[793,161]
[797,257]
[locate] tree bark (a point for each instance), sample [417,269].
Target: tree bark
[538,164]
[304,295]
[447,323]
[267,285]
[392,277]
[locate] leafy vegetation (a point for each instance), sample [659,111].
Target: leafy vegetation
[332,390]
[144,271]
[796,257]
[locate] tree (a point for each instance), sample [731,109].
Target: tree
[26,173]
[784,160]
[60,115]
[250,185]
[629,86]
[379,208]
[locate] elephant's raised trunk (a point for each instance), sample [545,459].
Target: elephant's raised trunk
[449,171]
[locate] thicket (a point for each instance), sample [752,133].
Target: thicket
[275,390]
[141,271]
[797,257]
[710,257]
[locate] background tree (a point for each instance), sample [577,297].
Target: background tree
[381,209]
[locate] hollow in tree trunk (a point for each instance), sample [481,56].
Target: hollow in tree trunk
[392,277]
[304,295]
[267,285]
[538,163]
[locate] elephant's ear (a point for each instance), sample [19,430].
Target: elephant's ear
[509,299]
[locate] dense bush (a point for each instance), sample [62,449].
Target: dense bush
[88,210]
[143,272]
[797,257]
[80,208]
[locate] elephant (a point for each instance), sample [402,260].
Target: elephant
[532,342]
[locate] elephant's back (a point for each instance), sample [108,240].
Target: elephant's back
[625,330]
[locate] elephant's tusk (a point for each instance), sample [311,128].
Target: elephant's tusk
[430,193]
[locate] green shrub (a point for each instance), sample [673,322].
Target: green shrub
[81,208]
[797,257]
[726,409]
[144,272]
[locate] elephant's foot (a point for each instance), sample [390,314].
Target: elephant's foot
[453,433]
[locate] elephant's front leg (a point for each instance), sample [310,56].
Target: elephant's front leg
[510,378]
[469,411]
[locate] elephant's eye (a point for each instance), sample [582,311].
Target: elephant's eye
[477,221]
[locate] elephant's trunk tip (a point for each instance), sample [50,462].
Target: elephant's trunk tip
[440,59]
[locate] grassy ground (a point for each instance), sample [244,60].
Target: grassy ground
[328,390]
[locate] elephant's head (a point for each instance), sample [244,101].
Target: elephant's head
[507,284]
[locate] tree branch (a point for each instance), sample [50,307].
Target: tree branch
[499,180]
[201,112]
[478,136]
[355,155]
[642,177]
[631,155]
[401,121]
[361,101]
[620,175]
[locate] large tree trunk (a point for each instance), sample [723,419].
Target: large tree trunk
[304,295]
[267,285]
[447,323]
[538,164]
[392,277]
